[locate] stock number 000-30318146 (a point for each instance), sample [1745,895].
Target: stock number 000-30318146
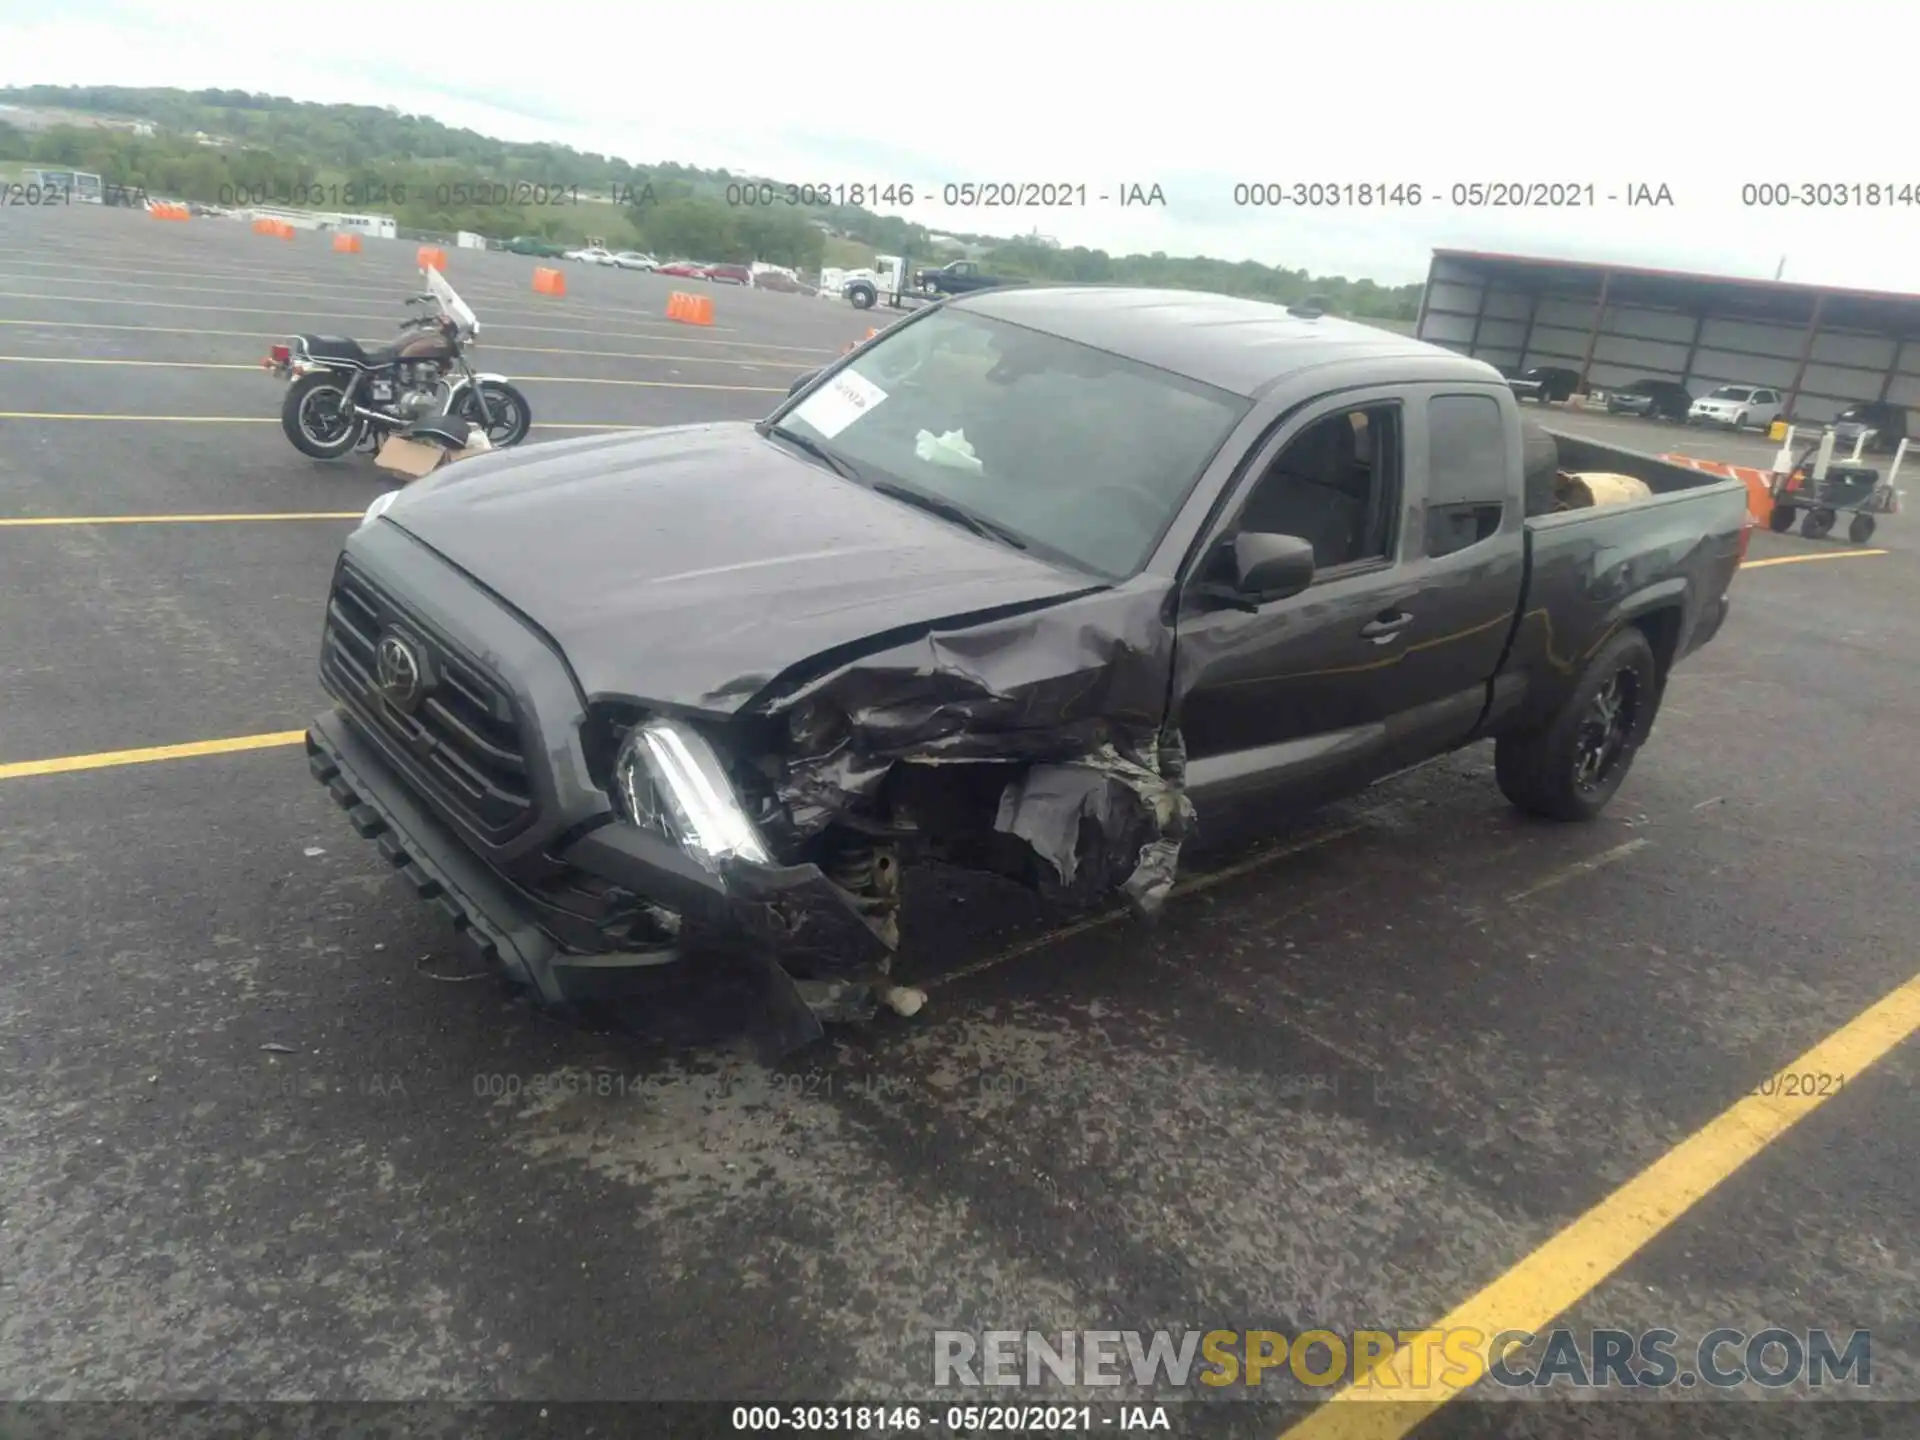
[951,1419]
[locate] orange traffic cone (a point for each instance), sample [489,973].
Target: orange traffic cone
[432,259]
[690,309]
[347,244]
[548,282]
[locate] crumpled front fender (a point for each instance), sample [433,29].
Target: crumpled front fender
[1071,698]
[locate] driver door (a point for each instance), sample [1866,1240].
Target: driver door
[1382,661]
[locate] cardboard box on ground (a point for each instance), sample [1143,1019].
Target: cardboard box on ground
[415,458]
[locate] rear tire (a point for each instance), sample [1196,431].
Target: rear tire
[1571,767]
[1861,530]
[310,416]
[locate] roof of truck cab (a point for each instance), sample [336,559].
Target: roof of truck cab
[1238,345]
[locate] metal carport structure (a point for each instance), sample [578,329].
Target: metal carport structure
[1823,347]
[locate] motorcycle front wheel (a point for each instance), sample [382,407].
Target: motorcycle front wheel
[316,417]
[509,417]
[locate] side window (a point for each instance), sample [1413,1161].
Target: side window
[1467,483]
[1336,484]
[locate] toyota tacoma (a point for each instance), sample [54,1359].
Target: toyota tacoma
[1028,583]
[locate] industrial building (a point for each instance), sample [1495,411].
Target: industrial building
[1825,348]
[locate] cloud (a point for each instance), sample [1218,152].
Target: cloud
[1197,98]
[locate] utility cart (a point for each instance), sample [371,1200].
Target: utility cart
[1817,490]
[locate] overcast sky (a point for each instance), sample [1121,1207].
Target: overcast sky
[1700,97]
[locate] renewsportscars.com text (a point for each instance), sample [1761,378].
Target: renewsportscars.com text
[1463,1357]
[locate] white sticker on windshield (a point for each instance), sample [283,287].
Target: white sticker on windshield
[840,402]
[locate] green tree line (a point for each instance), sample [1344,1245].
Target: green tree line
[456,179]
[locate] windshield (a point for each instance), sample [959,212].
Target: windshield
[451,305]
[1077,452]
[1732,392]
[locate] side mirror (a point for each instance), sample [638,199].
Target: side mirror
[802,383]
[1271,567]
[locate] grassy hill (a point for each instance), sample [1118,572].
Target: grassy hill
[231,147]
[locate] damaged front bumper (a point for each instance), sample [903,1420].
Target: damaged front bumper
[766,912]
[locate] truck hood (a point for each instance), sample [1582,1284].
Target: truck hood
[690,566]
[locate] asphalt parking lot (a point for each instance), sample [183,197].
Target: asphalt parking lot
[264,1138]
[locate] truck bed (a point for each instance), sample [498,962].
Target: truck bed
[1664,563]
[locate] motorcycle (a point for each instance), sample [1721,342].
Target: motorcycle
[342,396]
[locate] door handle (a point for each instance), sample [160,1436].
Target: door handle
[1386,628]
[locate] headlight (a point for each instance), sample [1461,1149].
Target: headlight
[668,780]
[379,506]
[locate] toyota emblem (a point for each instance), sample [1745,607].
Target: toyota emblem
[398,670]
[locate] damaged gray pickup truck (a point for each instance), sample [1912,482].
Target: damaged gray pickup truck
[1027,583]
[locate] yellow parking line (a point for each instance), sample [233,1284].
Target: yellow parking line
[22,521]
[1562,1272]
[1804,559]
[255,366]
[165,419]
[152,364]
[106,760]
[492,348]
[493,327]
[271,420]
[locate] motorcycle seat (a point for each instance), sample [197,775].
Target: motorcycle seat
[344,347]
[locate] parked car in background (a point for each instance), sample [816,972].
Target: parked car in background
[781,281]
[534,245]
[1546,383]
[729,275]
[1654,399]
[684,270]
[1737,407]
[635,260]
[961,277]
[591,255]
[1886,423]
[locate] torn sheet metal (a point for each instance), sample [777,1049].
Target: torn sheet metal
[1072,694]
[1101,823]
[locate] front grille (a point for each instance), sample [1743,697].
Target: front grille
[462,740]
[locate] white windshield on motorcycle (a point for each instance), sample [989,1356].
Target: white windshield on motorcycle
[451,305]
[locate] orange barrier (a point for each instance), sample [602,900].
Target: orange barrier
[1759,483]
[548,282]
[347,244]
[690,309]
[431,259]
[169,212]
[279,229]
[283,230]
